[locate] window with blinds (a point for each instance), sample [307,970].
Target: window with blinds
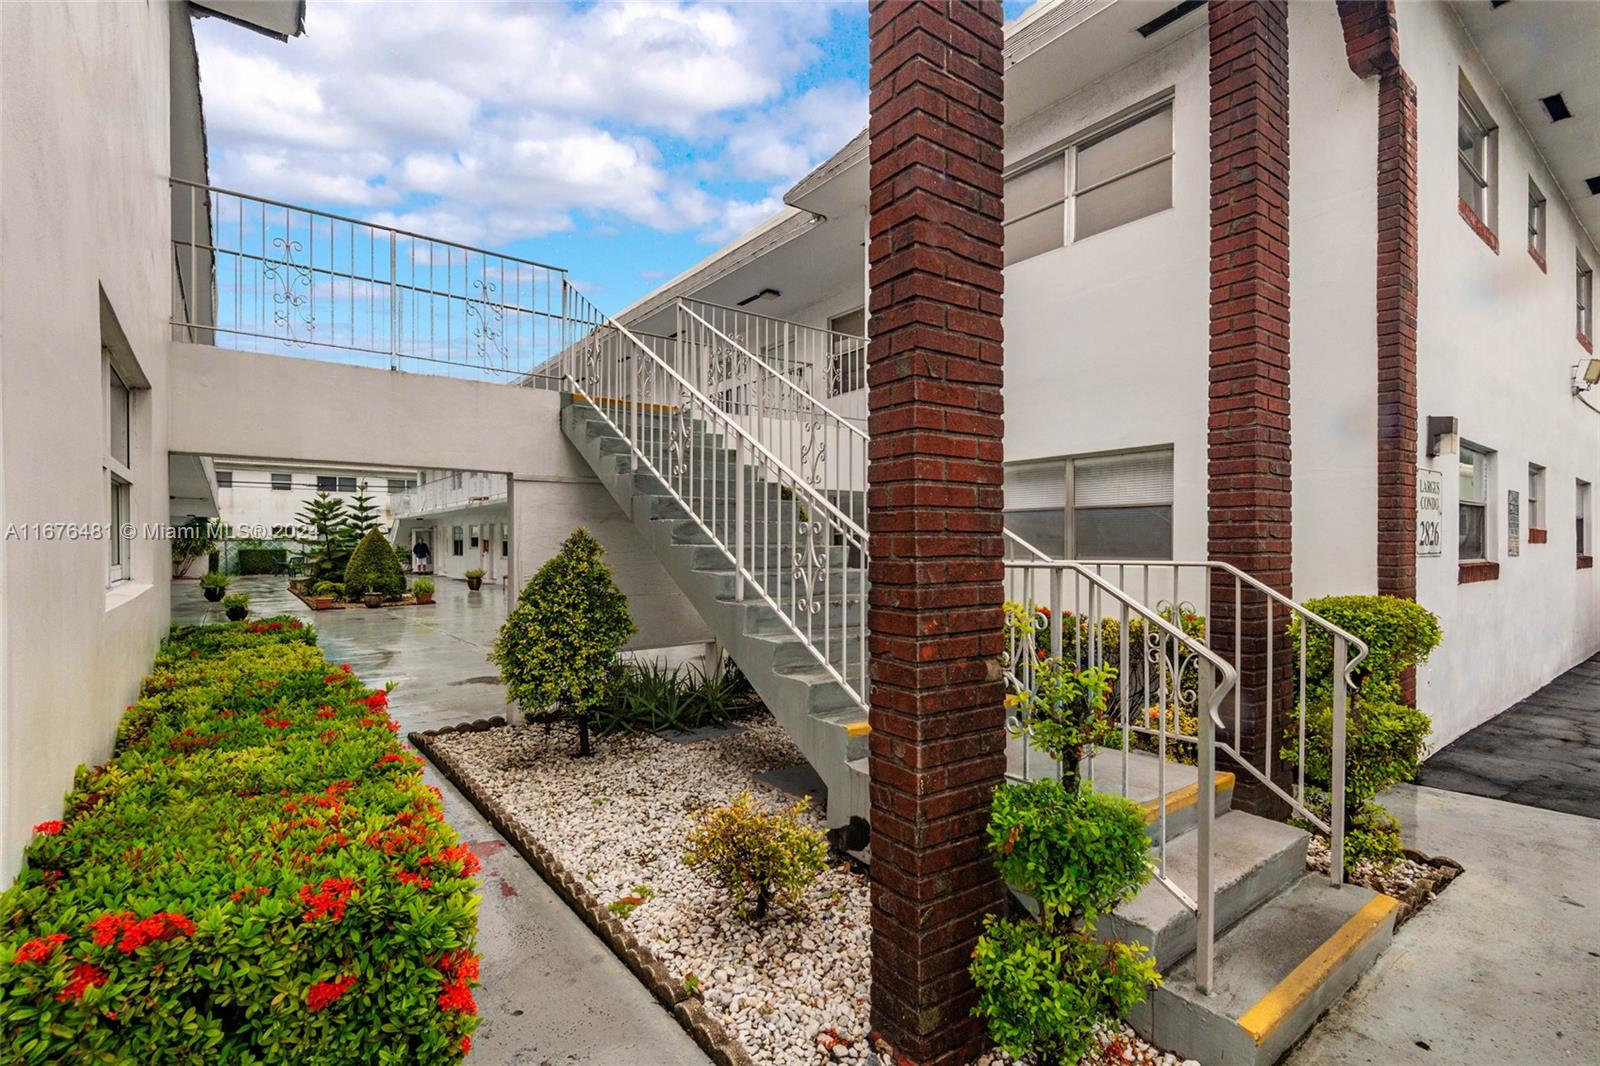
[1100,183]
[1095,507]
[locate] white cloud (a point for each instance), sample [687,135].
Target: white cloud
[506,121]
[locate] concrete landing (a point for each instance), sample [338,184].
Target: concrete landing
[1543,751]
[1277,971]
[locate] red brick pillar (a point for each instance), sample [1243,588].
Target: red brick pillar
[934,513]
[1372,44]
[1249,491]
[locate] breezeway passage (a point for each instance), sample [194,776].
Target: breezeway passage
[551,990]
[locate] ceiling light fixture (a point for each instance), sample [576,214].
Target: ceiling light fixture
[1556,106]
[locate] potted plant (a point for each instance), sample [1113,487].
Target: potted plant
[372,599]
[422,589]
[213,585]
[237,606]
[474,579]
[323,595]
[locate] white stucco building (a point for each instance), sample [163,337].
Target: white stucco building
[1107,301]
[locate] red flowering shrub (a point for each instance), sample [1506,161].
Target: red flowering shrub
[160,920]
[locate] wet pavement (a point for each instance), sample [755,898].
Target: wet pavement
[552,992]
[1542,752]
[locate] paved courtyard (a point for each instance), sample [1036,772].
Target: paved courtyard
[1544,751]
[552,991]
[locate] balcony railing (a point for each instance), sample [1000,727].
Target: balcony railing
[266,276]
[457,490]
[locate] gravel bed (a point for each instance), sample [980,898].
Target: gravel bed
[792,991]
[1414,880]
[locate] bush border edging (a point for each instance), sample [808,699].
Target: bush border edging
[723,1048]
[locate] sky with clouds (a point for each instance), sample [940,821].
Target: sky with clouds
[623,141]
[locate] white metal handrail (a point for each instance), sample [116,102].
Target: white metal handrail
[1073,610]
[251,272]
[1203,586]
[821,361]
[827,450]
[790,544]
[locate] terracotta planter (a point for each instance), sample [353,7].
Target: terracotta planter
[373,599]
[424,597]
[238,614]
[322,603]
[297,585]
[474,583]
[214,595]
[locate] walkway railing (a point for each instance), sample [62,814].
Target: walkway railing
[1258,626]
[262,275]
[791,544]
[822,362]
[1062,612]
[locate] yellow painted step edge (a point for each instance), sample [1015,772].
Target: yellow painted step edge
[620,402]
[857,729]
[1183,798]
[1261,1020]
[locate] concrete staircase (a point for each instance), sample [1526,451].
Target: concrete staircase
[825,721]
[1288,944]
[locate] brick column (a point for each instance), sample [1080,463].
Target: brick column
[934,512]
[1248,445]
[1372,45]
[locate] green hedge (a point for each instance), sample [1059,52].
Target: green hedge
[258,875]
[262,560]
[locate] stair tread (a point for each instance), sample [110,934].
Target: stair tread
[1311,920]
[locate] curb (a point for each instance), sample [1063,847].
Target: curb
[713,1038]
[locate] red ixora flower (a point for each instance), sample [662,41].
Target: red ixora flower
[84,976]
[326,993]
[135,932]
[408,878]
[466,1045]
[329,899]
[392,757]
[50,828]
[455,853]
[457,996]
[325,711]
[40,948]
[461,965]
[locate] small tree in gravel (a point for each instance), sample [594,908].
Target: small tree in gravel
[373,568]
[557,650]
[761,857]
[1045,984]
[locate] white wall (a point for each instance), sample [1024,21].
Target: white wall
[1333,251]
[1106,339]
[85,132]
[251,505]
[1496,344]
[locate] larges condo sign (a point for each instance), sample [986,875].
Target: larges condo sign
[1430,512]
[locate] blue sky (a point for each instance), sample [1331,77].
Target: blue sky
[623,141]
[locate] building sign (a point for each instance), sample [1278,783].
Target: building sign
[1513,522]
[1430,513]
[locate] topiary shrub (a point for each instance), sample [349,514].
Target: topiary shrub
[557,650]
[1045,985]
[761,857]
[1384,739]
[1063,712]
[373,568]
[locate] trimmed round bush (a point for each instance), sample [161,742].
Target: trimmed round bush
[761,857]
[373,568]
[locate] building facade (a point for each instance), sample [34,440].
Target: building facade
[1120,417]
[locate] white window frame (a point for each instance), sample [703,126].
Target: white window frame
[1584,525]
[224,479]
[1536,491]
[1538,214]
[281,482]
[1068,150]
[1585,298]
[118,476]
[1479,160]
[1483,502]
[1071,507]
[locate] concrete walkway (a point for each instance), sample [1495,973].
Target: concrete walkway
[1544,751]
[1500,970]
[552,991]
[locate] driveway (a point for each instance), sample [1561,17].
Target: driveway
[552,991]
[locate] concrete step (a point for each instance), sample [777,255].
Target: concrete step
[1252,860]
[1147,781]
[1277,970]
